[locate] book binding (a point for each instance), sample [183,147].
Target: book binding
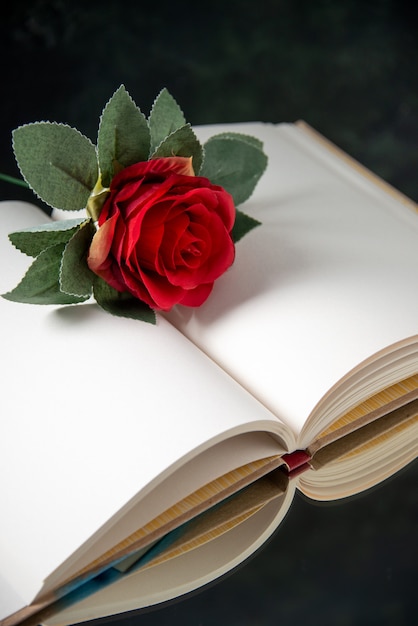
[296,462]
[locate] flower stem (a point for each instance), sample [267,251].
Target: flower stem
[13,180]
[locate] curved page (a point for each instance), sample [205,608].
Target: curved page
[365,466]
[322,284]
[185,573]
[95,410]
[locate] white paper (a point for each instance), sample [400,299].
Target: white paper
[328,279]
[93,409]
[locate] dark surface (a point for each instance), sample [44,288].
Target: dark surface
[348,68]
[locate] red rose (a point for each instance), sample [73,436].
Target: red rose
[164,234]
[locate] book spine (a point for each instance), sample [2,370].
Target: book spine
[296,462]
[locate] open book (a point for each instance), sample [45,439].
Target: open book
[140,462]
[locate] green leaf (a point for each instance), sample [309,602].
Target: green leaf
[166,116]
[124,136]
[234,163]
[121,304]
[253,141]
[32,241]
[76,278]
[243,224]
[40,285]
[57,162]
[182,142]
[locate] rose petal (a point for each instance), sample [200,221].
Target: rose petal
[101,244]
[164,234]
[196,297]
[159,168]
[162,294]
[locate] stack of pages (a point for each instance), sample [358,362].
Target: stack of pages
[139,462]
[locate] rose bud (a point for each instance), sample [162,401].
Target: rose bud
[164,234]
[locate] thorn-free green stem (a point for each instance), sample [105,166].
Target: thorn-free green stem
[13,180]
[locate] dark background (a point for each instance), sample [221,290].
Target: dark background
[349,68]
